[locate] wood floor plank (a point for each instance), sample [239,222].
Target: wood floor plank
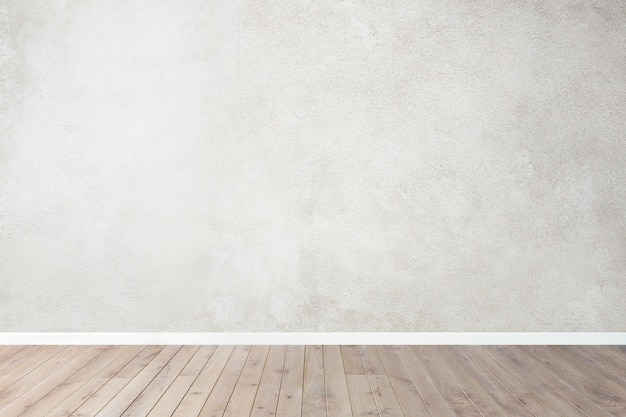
[352,363]
[203,386]
[453,394]
[23,363]
[592,366]
[558,383]
[71,403]
[361,396]
[501,393]
[384,396]
[144,402]
[481,399]
[290,397]
[407,393]
[242,398]
[618,351]
[266,401]
[73,383]
[593,387]
[7,351]
[171,399]
[517,383]
[608,388]
[220,396]
[117,382]
[604,359]
[314,391]
[124,398]
[536,385]
[31,390]
[371,361]
[433,398]
[337,397]
[312,381]
[24,355]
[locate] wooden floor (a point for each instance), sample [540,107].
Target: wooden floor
[293,381]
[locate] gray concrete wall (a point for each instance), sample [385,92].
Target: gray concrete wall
[312,165]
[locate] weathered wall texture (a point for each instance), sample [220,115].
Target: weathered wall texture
[312,165]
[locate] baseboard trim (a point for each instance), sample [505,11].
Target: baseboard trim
[314,338]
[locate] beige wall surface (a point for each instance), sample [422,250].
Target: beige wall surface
[312,165]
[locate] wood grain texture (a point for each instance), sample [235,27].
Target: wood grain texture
[538,386]
[266,400]
[509,381]
[9,351]
[560,383]
[610,363]
[290,398]
[406,392]
[436,403]
[151,394]
[33,388]
[85,374]
[314,391]
[117,382]
[203,386]
[490,379]
[361,396]
[220,396]
[315,381]
[451,391]
[242,398]
[18,366]
[171,399]
[589,381]
[93,385]
[131,391]
[337,395]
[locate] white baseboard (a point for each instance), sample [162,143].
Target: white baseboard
[252,338]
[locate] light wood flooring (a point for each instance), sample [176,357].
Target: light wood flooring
[298,381]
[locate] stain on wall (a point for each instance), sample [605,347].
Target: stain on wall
[312,165]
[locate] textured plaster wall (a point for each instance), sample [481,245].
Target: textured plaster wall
[307,165]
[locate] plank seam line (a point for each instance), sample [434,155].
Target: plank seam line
[230,355]
[506,388]
[575,389]
[341,350]
[543,383]
[182,368]
[282,376]
[615,354]
[377,350]
[258,386]
[438,358]
[90,393]
[192,382]
[573,370]
[236,382]
[324,379]
[432,380]
[118,371]
[378,411]
[45,360]
[86,382]
[148,384]
[303,375]
[12,354]
[539,397]
[406,371]
[53,372]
